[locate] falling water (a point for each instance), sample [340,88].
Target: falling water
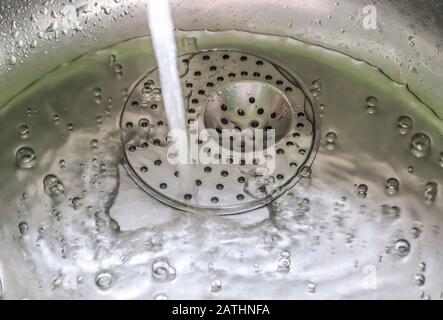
[163,40]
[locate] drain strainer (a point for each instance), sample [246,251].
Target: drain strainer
[224,90]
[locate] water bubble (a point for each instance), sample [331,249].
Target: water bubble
[391,212]
[216,285]
[420,145]
[404,124]
[52,185]
[94,143]
[431,190]
[331,139]
[312,287]
[161,296]
[162,270]
[362,191]
[392,186]
[284,264]
[416,231]
[26,158]
[76,203]
[103,280]
[11,60]
[97,92]
[316,88]
[23,228]
[402,248]
[419,279]
[24,131]
[371,104]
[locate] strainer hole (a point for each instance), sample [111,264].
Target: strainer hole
[158,163]
[268,77]
[280,151]
[214,200]
[198,183]
[220,186]
[300,126]
[241,180]
[244,58]
[224,107]
[224,121]
[188,196]
[273,115]
[280,177]
[244,73]
[154,106]
[254,123]
[288,89]
[241,113]
[135,104]
[144,169]
[213,68]
[220,79]
[259,63]
[251,100]
[240,197]
[231,75]
[208,169]
[209,84]
[224,173]
[279,82]
[256,74]
[226,57]
[197,73]
[163,186]
[206,57]
[201,92]
[260,111]
[129,125]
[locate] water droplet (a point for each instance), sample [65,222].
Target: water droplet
[216,286]
[362,191]
[404,124]
[419,279]
[11,60]
[103,280]
[420,145]
[97,92]
[26,158]
[284,264]
[431,190]
[23,228]
[312,287]
[392,186]
[422,266]
[24,131]
[76,203]
[52,185]
[402,248]
[161,296]
[94,143]
[391,212]
[162,270]
[316,88]
[371,104]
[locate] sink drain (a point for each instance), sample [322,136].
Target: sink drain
[223,90]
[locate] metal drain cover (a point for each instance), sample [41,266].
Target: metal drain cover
[223,90]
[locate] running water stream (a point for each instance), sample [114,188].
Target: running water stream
[165,49]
